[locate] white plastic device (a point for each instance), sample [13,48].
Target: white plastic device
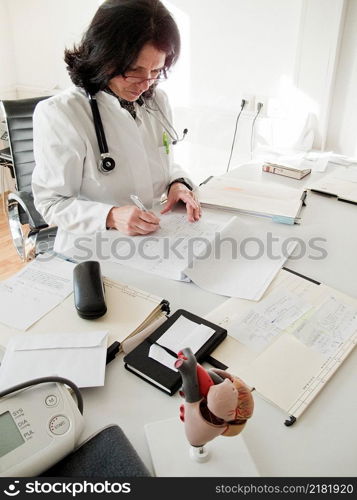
[39,426]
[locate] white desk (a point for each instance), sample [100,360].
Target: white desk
[323,442]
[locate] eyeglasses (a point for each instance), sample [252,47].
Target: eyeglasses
[138,79]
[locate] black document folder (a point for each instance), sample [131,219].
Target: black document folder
[157,374]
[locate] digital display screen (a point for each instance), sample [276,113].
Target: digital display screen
[10,436]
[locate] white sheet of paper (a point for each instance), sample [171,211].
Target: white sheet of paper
[345,187]
[229,271]
[80,357]
[317,161]
[347,174]
[159,354]
[185,333]
[36,290]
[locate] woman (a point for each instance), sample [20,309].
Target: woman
[128,48]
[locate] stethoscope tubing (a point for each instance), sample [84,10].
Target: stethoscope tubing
[102,141]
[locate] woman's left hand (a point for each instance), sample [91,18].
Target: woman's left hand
[179,192]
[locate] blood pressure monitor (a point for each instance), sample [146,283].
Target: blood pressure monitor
[38,427]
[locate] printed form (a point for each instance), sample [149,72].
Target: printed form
[35,291]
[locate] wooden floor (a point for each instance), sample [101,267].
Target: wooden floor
[10,262]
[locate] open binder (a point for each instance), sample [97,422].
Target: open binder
[279,203]
[296,363]
[159,375]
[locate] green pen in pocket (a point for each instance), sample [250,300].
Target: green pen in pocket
[165,142]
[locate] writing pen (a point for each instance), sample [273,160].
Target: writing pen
[137,201]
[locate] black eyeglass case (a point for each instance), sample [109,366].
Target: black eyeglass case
[88,289]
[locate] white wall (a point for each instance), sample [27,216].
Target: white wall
[281,52]
[41,31]
[236,48]
[274,50]
[342,131]
[7,66]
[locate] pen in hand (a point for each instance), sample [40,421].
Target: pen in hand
[137,201]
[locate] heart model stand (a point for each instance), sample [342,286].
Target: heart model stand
[217,405]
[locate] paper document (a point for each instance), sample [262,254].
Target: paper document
[166,252]
[34,291]
[183,333]
[240,264]
[268,318]
[80,357]
[329,327]
[341,184]
[159,354]
[288,345]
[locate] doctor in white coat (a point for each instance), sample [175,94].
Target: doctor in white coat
[127,49]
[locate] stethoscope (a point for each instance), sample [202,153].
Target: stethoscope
[106,163]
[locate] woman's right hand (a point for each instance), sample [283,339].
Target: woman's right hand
[132,221]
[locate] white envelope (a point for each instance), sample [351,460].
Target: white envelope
[80,357]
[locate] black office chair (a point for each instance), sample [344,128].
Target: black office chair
[109,454]
[30,233]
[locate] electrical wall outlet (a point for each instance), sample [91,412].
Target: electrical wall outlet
[249,106]
[258,101]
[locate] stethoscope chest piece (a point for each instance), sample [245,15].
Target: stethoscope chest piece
[106,164]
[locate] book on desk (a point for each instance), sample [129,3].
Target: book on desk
[286,170]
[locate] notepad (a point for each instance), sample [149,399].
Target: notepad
[290,362]
[157,369]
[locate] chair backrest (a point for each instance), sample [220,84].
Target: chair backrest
[18,115]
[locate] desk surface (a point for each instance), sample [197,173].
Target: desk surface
[323,442]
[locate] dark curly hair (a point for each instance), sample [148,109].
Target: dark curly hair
[116,35]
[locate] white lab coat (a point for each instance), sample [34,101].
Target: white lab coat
[69,190]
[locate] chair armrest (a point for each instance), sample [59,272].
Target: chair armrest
[25,200]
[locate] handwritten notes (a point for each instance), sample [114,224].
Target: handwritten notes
[268,318]
[328,327]
[34,291]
